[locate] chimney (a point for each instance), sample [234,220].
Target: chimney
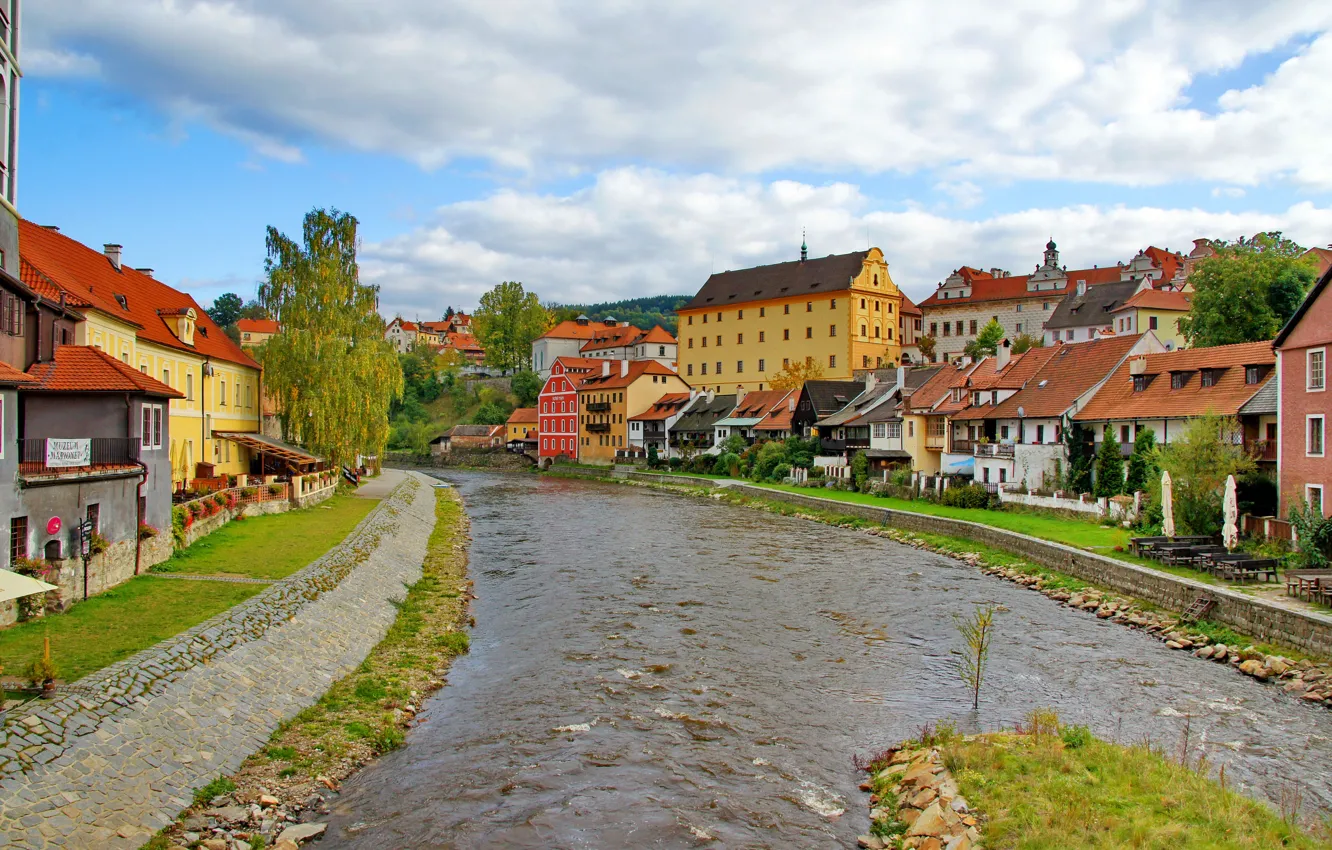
[901,376]
[1138,366]
[144,271]
[712,395]
[740,393]
[871,381]
[605,368]
[1003,354]
[112,252]
[790,402]
[624,368]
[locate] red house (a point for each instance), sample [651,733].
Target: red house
[557,407]
[1303,463]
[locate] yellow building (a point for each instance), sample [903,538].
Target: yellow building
[1155,310]
[841,312]
[607,401]
[256,332]
[522,425]
[164,333]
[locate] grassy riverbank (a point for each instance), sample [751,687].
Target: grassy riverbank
[147,609]
[1047,786]
[366,713]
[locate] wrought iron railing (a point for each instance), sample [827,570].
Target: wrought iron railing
[102,453]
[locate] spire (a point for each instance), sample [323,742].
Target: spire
[1051,254]
[804,249]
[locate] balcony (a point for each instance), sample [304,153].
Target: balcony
[993,449]
[598,427]
[832,447]
[597,407]
[962,446]
[1262,450]
[658,434]
[1125,449]
[936,442]
[90,457]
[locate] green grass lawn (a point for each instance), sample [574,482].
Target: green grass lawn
[139,613]
[118,623]
[271,547]
[1038,793]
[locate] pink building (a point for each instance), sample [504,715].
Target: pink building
[1303,463]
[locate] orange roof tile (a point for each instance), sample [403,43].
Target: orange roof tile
[1159,399]
[658,336]
[82,368]
[1070,371]
[1157,299]
[11,376]
[89,276]
[522,415]
[636,370]
[663,407]
[987,287]
[909,307]
[776,409]
[938,386]
[571,329]
[462,342]
[615,337]
[258,326]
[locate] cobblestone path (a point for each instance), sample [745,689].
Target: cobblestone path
[111,763]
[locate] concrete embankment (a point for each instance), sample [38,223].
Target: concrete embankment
[115,760]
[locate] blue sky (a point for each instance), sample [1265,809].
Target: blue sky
[594,151]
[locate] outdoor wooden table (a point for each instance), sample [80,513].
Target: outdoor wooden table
[1305,583]
[1164,551]
[1140,545]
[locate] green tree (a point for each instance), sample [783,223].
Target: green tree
[226,309]
[1142,472]
[1077,444]
[331,372]
[253,310]
[1247,290]
[977,631]
[491,413]
[526,385]
[1026,342]
[653,457]
[507,321]
[986,343]
[859,470]
[1109,467]
[927,345]
[1198,462]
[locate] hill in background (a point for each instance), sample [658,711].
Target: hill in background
[639,312]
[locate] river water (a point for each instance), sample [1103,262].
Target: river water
[657,671]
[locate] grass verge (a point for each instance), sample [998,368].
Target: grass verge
[272,546]
[1036,791]
[366,713]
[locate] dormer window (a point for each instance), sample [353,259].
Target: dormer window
[1179,380]
[1141,382]
[1210,377]
[1254,374]
[122,301]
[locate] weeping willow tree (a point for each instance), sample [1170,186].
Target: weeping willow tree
[331,372]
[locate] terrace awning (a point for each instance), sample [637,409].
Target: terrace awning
[270,446]
[15,585]
[738,422]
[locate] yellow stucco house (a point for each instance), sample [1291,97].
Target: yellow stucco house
[163,333]
[1155,310]
[608,399]
[841,312]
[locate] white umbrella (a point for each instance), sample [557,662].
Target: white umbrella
[13,585]
[1167,506]
[1230,531]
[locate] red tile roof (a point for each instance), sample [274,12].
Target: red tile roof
[1157,299]
[615,337]
[1069,372]
[776,409]
[636,370]
[1117,400]
[522,415]
[89,277]
[663,407]
[987,287]
[11,376]
[462,342]
[84,369]
[573,330]
[658,336]
[924,397]
[258,326]
[909,307]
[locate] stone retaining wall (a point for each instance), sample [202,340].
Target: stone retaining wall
[116,755]
[1308,631]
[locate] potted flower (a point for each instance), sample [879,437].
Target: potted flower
[42,672]
[98,544]
[146,531]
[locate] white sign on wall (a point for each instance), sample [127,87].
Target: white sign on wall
[60,453]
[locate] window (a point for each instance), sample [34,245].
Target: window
[718,367]
[1252,374]
[809,306]
[705,342]
[719,342]
[809,333]
[739,314]
[1019,327]
[691,320]
[1045,305]
[1124,434]
[1018,309]
[762,366]
[864,361]
[1209,377]
[1139,383]
[948,328]
[934,328]
[1003,432]
[863,334]
[763,311]
[1178,380]
[786,334]
[739,366]
[1151,323]
[222,397]
[661,351]
[1040,433]
[189,386]
[959,327]
[832,361]
[1068,335]
[832,330]
[1003,475]
[1317,369]
[973,327]
[146,427]
[832,305]
[1313,494]
[911,429]
[786,309]
[894,430]
[705,318]
[18,539]
[880,431]
[1315,444]
[763,335]
[705,368]
[739,339]
[862,303]
[95,518]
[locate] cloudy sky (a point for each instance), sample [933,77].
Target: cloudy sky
[598,150]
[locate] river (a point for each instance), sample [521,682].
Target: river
[654,670]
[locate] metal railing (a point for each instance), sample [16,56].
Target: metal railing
[104,453]
[597,406]
[994,449]
[598,427]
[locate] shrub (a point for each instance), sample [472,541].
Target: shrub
[675,463]
[274,489]
[249,492]
[1076,737]
[148,532]
[816,472]
[970,496]
[727,463]
[43,669]
[782,472]
[98,544]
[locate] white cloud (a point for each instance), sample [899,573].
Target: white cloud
[1048,89]
[59,63]
[1227,192]
[642,232]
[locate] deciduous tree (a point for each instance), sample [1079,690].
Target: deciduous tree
[526,385]
[1199,461]
[331,372]
[508,319]
[1023,343]
[927,344]
[1247,290]
[794,375]
[986,343]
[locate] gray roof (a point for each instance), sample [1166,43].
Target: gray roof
[702,414]
[856,407]
[1093,308]
[472,430]
[887,454]
[780,280]
[828,397]
[1263,402]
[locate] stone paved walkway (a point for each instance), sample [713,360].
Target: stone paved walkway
[228,579]
[109,766]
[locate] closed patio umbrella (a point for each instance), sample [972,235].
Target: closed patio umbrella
[1167,506]
[14,585]
[1230,505]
